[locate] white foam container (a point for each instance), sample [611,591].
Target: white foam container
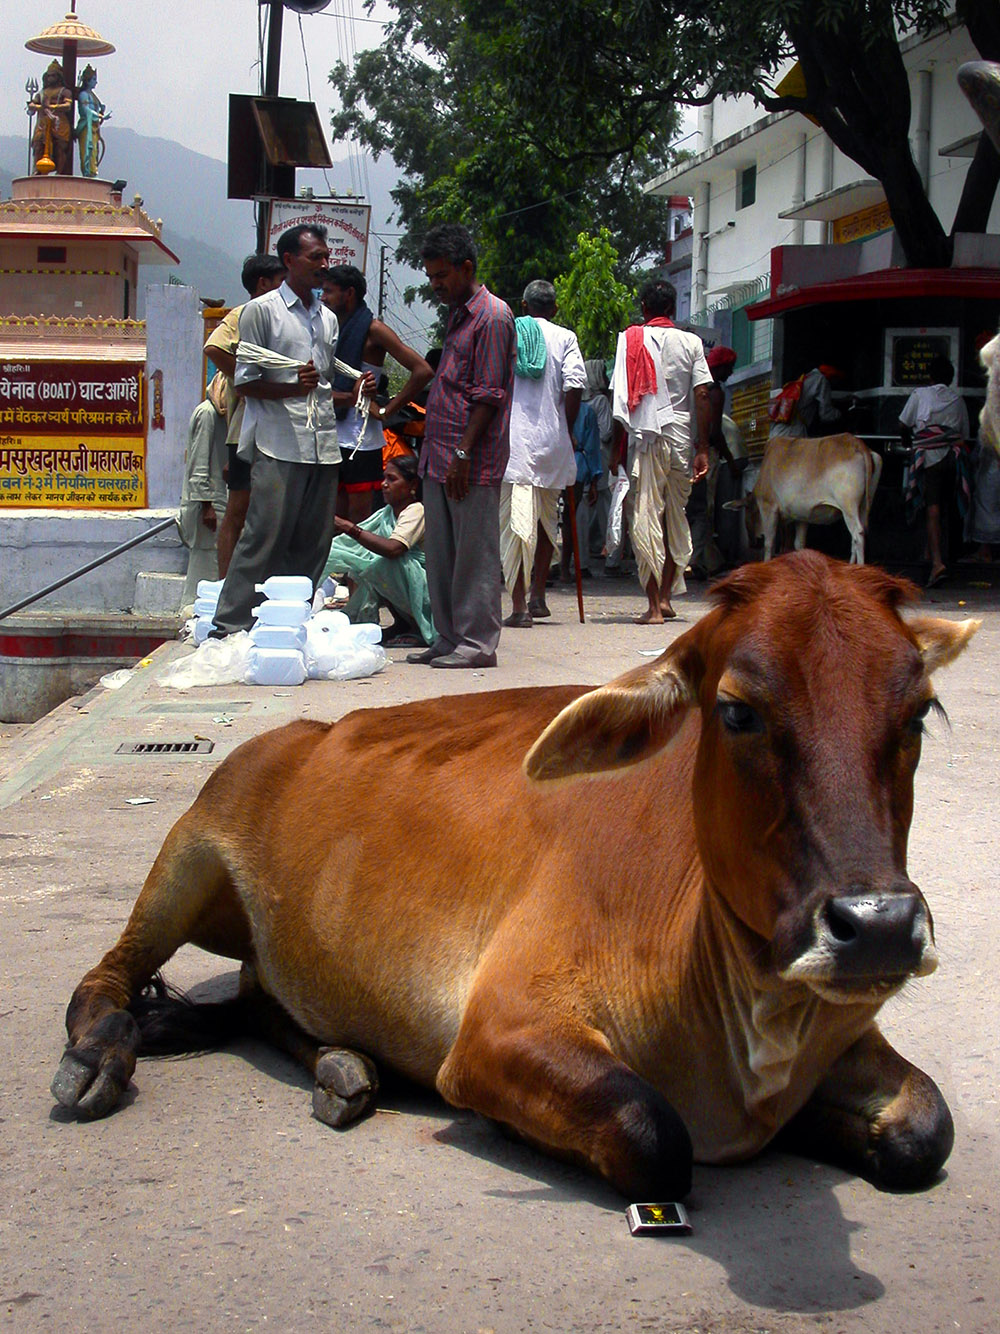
[275,667]
[202,629]
[367,633]
[206,606]
[287,588]
[283,611]
[209,588]
[278,636]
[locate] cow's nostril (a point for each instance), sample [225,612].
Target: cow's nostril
[839,921]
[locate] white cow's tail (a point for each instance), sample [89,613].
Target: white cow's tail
[873,471]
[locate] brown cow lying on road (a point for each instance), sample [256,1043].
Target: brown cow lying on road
[665,933]
[815,480]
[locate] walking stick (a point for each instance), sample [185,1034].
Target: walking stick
[571,502]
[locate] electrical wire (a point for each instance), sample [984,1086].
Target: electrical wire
[305,61]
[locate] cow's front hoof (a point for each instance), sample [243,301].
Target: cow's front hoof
[345,1088]
[908,1156]
[94,1073]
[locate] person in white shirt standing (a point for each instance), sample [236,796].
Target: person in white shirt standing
[548,384]
[289,431]
[661,396]
[934,421]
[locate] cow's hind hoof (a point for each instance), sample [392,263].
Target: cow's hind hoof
[345,1088]
[93,1074]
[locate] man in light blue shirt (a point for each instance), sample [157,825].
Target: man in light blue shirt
[289,431]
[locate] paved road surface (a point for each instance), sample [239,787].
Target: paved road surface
[213,1200]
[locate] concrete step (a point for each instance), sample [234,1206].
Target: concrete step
[157,593]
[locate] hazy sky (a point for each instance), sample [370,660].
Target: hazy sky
[174,66]
[177,60]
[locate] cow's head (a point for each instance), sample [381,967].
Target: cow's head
[812,691]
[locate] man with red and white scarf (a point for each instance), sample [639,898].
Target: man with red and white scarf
[660,390]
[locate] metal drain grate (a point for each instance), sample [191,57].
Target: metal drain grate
[165,748]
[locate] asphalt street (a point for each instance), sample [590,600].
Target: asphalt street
[213,1200]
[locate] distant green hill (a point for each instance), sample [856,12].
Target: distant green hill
[209,233]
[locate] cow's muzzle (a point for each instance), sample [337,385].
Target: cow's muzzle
[867,942]
[876,935]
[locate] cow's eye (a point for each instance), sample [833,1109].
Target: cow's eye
[738,717]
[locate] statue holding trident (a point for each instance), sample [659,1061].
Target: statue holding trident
[88,130]
[51,143]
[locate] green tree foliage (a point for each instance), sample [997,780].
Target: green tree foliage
[612,70]
[592,301]
[440,96]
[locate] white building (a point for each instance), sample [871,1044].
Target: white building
[764,185]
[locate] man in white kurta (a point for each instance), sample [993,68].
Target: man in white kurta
[548,386]
[661,396]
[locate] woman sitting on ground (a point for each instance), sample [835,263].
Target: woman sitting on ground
[382,560]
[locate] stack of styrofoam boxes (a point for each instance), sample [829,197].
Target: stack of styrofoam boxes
[204,607]
[277,657]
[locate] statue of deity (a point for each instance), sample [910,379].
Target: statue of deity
[88,130]
[52,141]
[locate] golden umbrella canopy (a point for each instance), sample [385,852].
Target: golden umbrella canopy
[53,40]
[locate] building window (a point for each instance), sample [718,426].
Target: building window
[746,192]
[51,254]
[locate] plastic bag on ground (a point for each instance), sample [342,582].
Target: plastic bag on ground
[336,650]
[115,680]
[216,662]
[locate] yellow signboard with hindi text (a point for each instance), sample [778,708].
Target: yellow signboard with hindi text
[59,471]
[72,435]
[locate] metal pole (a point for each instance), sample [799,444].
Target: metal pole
[272,70]
[272,67]
[70,71]
[85,569]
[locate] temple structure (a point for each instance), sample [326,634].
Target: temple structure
[94,403]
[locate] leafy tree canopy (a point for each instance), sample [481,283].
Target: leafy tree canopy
[441,96]
[617,67]
[536,121]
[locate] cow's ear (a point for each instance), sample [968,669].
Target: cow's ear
[940,642]
[618,725]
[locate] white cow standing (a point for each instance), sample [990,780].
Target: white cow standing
[989,418]
[806,480]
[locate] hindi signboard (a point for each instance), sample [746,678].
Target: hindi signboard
[346,226]
[72,434]
[909,353]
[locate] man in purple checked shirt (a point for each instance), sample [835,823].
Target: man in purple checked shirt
[464,455]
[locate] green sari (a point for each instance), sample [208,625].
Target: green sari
[401,582]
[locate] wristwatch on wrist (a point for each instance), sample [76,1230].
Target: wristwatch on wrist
[462,455]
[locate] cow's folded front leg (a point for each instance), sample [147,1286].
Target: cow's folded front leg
[877,1115]
[560,1087]
[346,1082]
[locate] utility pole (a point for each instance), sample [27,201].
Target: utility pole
[272,68]
[381,281]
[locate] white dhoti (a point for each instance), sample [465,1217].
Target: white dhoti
[660,496]
[522,509]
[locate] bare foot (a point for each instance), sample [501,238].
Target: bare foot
[936,576]
[650,617]
[668,612]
